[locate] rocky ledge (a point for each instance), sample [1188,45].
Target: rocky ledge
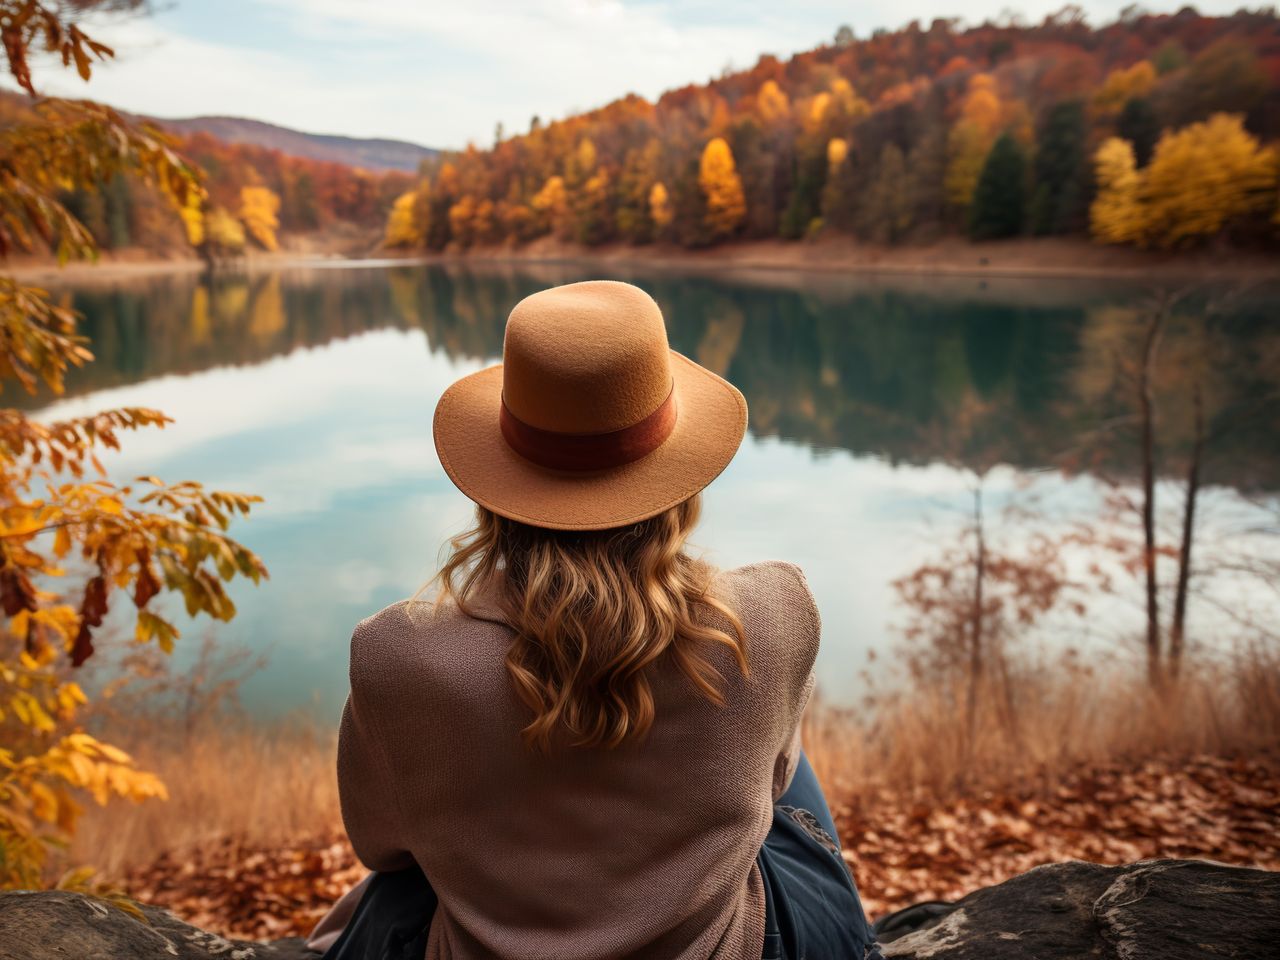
[1157,909]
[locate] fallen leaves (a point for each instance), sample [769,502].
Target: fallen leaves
[900,848]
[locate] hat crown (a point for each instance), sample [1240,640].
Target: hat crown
[588,357]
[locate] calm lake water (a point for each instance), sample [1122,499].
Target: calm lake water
[872,404]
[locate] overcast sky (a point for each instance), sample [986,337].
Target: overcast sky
[445,73]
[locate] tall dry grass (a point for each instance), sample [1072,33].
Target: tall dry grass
[265,786]
[1042,722]
[227,775]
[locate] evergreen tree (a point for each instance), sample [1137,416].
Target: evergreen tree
[805,202]
[1138,125]
[1059,204]
[999,198]
[118,204]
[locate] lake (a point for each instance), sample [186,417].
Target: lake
[874,406]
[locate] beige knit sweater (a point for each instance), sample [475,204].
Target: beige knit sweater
[646,851]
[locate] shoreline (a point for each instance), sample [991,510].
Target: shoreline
[1044,258]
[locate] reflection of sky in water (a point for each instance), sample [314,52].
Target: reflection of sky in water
[337,439]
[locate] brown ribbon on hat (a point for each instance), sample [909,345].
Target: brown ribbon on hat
[589,451]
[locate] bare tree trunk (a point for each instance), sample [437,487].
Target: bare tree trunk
[975,623]
[1178,630]
[1146,408]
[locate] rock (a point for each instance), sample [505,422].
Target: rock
[58,925]
[1156,909]
[1152,910]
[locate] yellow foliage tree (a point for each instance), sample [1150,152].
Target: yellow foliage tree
[402,226]
[223,232]
[258,209]
[722,188]
[837,150]
[462,221]
[660,207]
[193,220]
[1204,176]
[1123,85]
[1117,214]
[582,163]
[1200,179]
[967,148]
[552,201]
[771,102]
[132,541]
[982,106]
[980,120]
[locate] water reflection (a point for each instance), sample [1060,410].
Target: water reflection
[870,405]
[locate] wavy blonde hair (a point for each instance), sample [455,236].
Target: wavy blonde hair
[592,611]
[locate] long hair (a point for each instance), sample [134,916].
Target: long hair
[592,611]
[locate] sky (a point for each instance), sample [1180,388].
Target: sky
[444,74]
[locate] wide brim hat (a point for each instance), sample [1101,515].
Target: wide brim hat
[591,421]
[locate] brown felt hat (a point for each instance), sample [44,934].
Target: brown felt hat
[591,421]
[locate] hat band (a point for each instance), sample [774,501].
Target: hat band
[589,451]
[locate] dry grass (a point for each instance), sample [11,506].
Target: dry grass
[264,788]
[1042,722]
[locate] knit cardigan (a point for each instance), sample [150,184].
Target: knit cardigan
[643,851]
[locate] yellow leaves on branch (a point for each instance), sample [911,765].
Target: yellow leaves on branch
[722,188]
[27,22]
[36,795]
[39,337]
[1200,179]
[137,541]
[77,144]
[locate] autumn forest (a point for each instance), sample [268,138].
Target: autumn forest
[1151,131]
[1036,500]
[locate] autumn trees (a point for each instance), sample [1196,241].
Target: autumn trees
[1201,179]
[887,139]
[74,545]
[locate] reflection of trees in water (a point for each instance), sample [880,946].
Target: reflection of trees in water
[906,373]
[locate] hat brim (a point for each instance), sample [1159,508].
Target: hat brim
[711,420]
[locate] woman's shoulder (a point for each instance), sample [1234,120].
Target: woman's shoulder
[774,595]
[404,631]
[773,579]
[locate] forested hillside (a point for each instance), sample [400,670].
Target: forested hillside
[255,196]
[1153,131]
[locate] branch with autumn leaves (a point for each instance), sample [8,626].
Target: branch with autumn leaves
[57,504]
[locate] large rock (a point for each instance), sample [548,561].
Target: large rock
[56,925]
[1156,909]
[1153,910]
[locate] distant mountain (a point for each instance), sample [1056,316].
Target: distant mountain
[355,152]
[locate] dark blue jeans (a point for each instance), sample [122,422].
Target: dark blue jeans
[812,908]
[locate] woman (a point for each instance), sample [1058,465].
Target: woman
[588,745]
